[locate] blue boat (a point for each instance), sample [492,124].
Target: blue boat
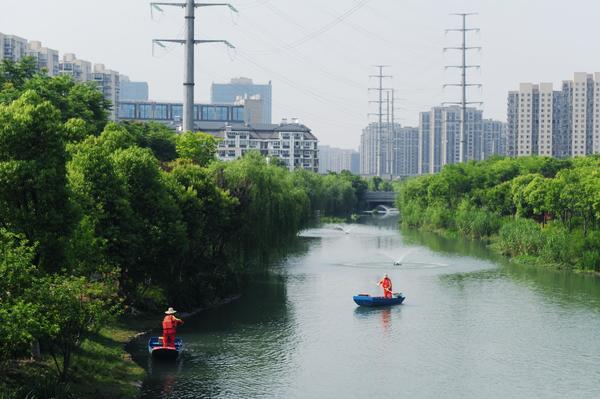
[158,351]
[374,301]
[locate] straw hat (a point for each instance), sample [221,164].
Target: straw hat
[171,311]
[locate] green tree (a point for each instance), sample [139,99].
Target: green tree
[198,147]
[20,322]
[34,198]
[73,309]
[155,136]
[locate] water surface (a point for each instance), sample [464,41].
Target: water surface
[472,326]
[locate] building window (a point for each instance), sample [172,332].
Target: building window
[214,113]
[145,111]
[177,112]
[127,111]
[160,111]
[238,114]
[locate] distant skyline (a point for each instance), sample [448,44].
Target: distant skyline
[318,54]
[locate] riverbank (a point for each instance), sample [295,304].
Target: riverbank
[537,210]
[102,369]
[520,249]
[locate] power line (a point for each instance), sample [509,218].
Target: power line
[463,85]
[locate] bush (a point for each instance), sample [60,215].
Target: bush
[520,237]
[411,215]
[475,223]
[561,246]
[438,216]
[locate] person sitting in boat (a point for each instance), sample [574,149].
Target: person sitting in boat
[386,284]
[169,324]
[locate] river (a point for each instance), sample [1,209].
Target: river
[472,326]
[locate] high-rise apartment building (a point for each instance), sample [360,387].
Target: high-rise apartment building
[15,48]
[12,47]
[424,129]
[333,159]
[560,123]
[226,93]
[376,145]
[108,83]
[406,152]
[46,59]
[392,151]
[512,123]
[79,70]
[494,138]
[439,137]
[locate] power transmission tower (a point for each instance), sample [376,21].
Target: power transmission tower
[189,42]
[464,48]
[380,89]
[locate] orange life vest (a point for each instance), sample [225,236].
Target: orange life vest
[386,283]
[169,322]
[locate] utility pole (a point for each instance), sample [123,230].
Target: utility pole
[392,151]
[464,48]
[189,42]
[379,114]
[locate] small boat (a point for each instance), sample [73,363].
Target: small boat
[158,351]
[373,301]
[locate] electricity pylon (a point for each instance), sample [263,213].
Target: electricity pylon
[189,42]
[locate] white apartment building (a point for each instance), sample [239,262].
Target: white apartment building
[406,152]
[15,48]
[543,121]
[494,138]
[12,47]
[376,149]
[46,59]
[79,70]
[332,159]
[108,83]
[291,142]
[392,151]
[439,137]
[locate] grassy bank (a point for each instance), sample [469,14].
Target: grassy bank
[101,369]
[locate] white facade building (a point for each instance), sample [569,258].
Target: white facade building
[392,151]
[46,59]
[333,159]
[108,83]
[543,121]
[291,142]
[494,138]
[79,70]
[12,47]
[376,149]
[439,137]
[406,152]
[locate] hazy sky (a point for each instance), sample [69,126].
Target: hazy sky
[318,54]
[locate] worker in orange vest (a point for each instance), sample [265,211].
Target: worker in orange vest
[169,325]
[386,284]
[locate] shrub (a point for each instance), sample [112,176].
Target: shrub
[520,237]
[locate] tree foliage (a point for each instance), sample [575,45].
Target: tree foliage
[99,217]
[538,206]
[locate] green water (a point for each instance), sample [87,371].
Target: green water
[472,326]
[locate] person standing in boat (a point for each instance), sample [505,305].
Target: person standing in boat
[386,284]
[169,324]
